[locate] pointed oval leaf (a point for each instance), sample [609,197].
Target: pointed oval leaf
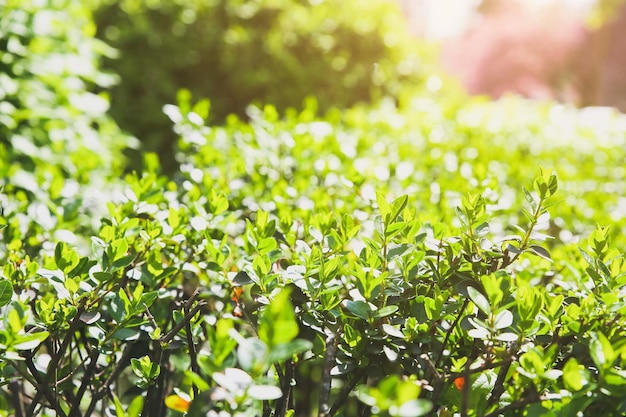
[415,408]
[392,331]
[504,319]
[541,252]
[264,392]
[479,300]
[359,308]
[385,311]
[29,341]
[6,292]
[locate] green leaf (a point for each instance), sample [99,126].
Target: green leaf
[145,368]
[284,351]
[601,351]
[261,265]
[479,300]
[397,206]
[398,250]
[278,321]
[126,334]
[118,249]
[65,257]
[242,278]
[135,407]
[414,408]
[572,376]
[119,410]
[173,218]
[29,341]
[385,311]
[482,229]
[264,392]
[122,262]
[586,256]
[218,203]
[383,205]
[359,308]
[266,245]
[148,298]
[392,331]
[6,292]
[541,252]
[503,320]
[393,229]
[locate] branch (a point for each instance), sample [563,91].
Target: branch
[18,399]
[343,396]
[533,398]
[327,379]
[42,388]
[172,333]
[192,355]
[87,379]
[450,330]
[106,387]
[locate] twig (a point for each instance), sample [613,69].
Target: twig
[329,363]
[18,399]
[178,327]
[42,388]
[87,378]
[192,355]
[466,378]
[450,330]
[343,396]
[516,405]
[105,388]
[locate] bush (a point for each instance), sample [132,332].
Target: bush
[369,261]
[59,148]
[244,51]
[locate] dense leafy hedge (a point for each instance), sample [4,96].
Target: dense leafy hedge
[371,260]
[58,146]
[244,51]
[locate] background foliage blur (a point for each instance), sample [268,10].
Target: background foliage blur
[61,155]
[237,52]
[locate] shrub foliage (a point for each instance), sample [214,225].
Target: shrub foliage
[373,261]
[341,265]
[243,51]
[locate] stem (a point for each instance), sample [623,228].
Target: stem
[516,405]
[106,387]
[450,330]
[465,399]
[192,355]
[18,398]
[87,378]
[329,363]
[172,333]
[343,396]
[526,239]
[42,388]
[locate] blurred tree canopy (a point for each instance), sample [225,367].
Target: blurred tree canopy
[53,104]
[237,52]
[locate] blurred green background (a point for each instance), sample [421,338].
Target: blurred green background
[60,57]
[237,52]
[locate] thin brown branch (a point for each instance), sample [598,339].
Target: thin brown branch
[43,388]
[87,379]
[17,397]
[179,326]
[329,363]
[343,396]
